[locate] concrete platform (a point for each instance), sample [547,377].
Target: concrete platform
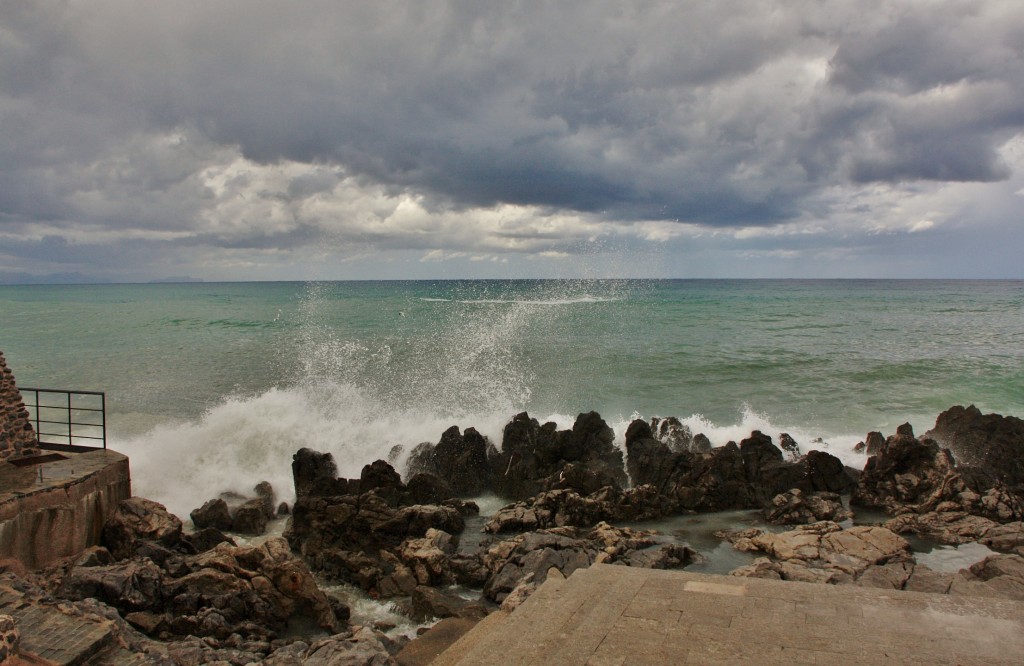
[619,615]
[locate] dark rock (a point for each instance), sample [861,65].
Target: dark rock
[94,556]
[789,447]
[379,475]
[673,433]
[908,474]
[430,602]
[250,518]
[137,519]
[874,443]
[425,488]
[315,473]
[990,443]
[214,513]
[701,443]
[265,492]
[826,473]
[458,458]
[207,538]
[283,509]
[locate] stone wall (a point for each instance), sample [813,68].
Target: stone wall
[59,508]
[16,435]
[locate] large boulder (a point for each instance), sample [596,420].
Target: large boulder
[795,507]
[989,443]
[137,519]
[213,513]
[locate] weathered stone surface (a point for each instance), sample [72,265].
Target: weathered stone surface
[137,519]
[362,648]
[949,527]
[996,576]
[843,554]
[794,507]
[1006,538]
[214,513]
[428,602]
[908,474]
[132,585]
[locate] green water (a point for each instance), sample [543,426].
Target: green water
[233,377]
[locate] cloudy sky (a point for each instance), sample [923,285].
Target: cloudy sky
[246,140]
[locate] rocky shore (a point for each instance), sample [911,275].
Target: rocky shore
[190,596]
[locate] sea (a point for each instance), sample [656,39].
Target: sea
[211,387]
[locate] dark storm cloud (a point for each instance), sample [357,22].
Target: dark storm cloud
[123,114]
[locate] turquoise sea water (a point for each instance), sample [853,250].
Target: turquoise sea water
[214,386]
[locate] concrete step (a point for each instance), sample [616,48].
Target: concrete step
[619,615]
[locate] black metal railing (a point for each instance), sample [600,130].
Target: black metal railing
[67,420]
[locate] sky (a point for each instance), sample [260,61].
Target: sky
[316,140]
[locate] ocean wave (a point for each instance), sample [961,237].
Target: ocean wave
[573,300]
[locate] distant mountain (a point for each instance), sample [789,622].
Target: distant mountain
[49,278]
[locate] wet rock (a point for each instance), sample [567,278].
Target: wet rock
[315,473]
[425,488]
[137,519]
[673,433]
[908,474]
[459,458]
[283,509]
[794,507]
[250,518]
[790,449]
[531,452]
[428,602]
[989,443]
[213,513]
[265,492]
[874,443]
[826,473]
[381,476]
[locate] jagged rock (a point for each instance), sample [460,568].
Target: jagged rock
[789,447]
[795,507]
[265,492]
[568,508]
[379,475]
[991,444]
[315,473]
[250,518]
[213,513]
[673,433]
[459,458]
[908,474]
[873,443]
[137,519]
[94,556]
[531,452]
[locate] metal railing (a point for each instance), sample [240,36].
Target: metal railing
[77,420]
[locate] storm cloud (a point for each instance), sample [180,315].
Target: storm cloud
[238,134]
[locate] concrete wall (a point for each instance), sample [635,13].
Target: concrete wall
[16,435]
[62,514]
